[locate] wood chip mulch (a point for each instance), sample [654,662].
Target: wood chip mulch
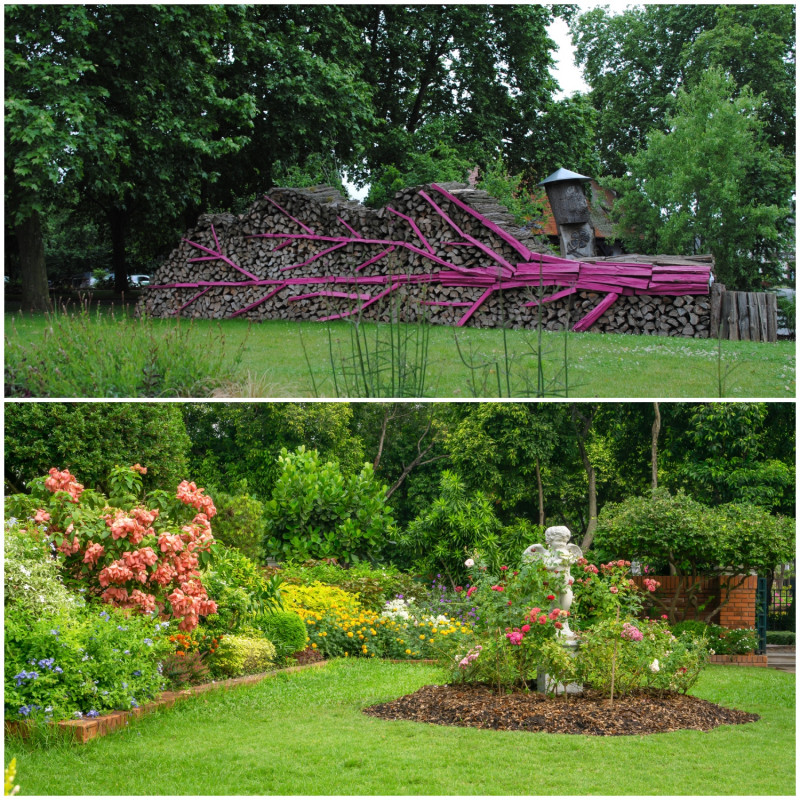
[479,706]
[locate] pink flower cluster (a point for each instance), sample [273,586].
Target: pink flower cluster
[515,637]
[651,584]
[631,633]
[470,657]
[167,564]
[64,482]
[189,494]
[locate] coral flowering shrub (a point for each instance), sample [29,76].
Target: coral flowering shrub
[132,556]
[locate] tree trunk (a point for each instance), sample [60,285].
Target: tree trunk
[541,493]
[654,446]
[581,432]
[33,270]
[118,223]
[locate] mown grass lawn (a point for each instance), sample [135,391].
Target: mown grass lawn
[273,363]
[305,734]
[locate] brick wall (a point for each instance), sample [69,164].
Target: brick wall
[739,612]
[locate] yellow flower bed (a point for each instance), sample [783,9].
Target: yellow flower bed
[339,626]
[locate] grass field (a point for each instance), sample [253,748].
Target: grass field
[273,364]
[305,734]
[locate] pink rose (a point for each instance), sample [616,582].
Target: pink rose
[613,590]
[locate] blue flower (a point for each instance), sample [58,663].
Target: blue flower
[124,685]
[24,711]
[57,670]
[21,677]
[136,673]
[134,704]
[121,628]
[92,713]
[148,641]
[46,663]
[104,615]
[126,652]
[54,631]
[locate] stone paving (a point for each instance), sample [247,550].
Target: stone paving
[781,657]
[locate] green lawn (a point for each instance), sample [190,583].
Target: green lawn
[600,365]
[305,734]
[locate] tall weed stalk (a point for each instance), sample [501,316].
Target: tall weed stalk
[86,353]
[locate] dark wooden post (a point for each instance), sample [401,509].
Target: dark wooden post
[571,213]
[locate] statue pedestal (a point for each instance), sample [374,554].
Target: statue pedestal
[544,683]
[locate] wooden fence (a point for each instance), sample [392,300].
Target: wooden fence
[744,316]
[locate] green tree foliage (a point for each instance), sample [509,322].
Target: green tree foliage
[694,540]
[235,442]
[636,60]
[91,438]
[457,525]
[48,108]
[711,183]
[317,511]
[121,106]
[724,455]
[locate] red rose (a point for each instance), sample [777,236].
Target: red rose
[551,597]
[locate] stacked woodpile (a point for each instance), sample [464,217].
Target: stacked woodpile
[311,254]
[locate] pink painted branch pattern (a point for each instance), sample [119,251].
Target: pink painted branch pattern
[533,271]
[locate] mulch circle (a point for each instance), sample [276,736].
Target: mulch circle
[479,706]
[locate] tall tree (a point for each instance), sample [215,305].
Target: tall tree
[711,183]
[48,110]
[90,439]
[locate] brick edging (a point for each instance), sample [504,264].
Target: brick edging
[83,730]
[747,660]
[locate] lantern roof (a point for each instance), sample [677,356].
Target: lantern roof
[562,174]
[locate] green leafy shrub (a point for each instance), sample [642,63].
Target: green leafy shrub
[723,641]
[316,511]
[31,577]
[81,661]
[240,522]
[375,585]
[781,637]
[286,630]
[242,655]
[242,591]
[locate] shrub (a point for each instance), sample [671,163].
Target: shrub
[318,597]
[638,655]
[242,655]
[601,591]
[286,630]
[32,580]
[81,662]
[318,512]
[724,641]
[188,669]
[241,590]
[781,637]
[119,550]
[240,522]
[373,585]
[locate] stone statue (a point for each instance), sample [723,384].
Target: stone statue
[557,558]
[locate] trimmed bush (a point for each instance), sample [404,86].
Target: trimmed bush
[286,630]
[780,637]
[723,641]
[242,655]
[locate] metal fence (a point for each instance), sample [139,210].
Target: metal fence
[780,601]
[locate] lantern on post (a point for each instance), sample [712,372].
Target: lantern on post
[571,213]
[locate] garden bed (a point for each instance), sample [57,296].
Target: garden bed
[479,706]
[83,730]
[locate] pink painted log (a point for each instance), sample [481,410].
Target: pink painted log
[345,295]
[284,211]
[220,256]
[352,230]
[596,312]
[315,257]
[480,245]
[414,227]
[475,306]
[258,302]
[366,305]
[188,303]
[378,257]
[487,223]
[555,296]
